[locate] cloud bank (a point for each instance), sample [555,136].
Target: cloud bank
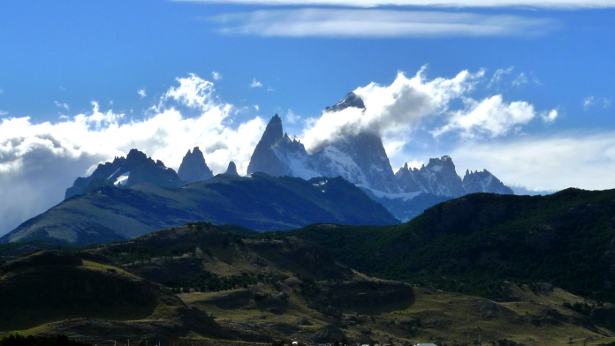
[583,160]
[38,161]
[356,23]
[556,4]
[394,111]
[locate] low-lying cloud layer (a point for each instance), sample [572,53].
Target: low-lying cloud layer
[557,4]
[38,161]
[583,160]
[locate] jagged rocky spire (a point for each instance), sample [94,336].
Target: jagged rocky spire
[484,181]
[264,158]
[232,169]
[193,167]
[134,169]
[350,100]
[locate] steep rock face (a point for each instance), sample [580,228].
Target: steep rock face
[136,168]
[360,159]
[193,167]
[349,101]
[278,155]
[438,177]
[264,158]
[484,181]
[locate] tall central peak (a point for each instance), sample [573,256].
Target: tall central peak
[351,100]
[264,158]
[274,131]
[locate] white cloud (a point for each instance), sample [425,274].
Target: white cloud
[192,91]
[142,93]
[216,76]
[498,76]
[319,22]
[256,83]
[391,109]
[491,116]
[588,102]
[38,160]
[291,117]
[550,116]
[520,80]
[584,160]
[594,101]
[62,105]
[559,4]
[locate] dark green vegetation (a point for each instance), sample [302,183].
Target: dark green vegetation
[475,243]
[59,285]
[18,340]
[260,202]
[526,270]
[164,285]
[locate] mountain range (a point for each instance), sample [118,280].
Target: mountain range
[348,180]
[361,159]
[260,202]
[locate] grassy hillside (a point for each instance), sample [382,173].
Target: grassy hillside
[201,284]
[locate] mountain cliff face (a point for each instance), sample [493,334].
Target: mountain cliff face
[193,167]
[361,159]
[484,181]
[438,177]
[266,157]
[136,168]
[351,100]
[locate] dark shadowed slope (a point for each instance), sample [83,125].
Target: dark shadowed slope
[477,242]
[260,202]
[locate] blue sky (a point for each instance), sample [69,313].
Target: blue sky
[536,108]
[76,51]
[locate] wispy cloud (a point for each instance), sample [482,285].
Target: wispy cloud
[215,75]
[62,105]
[558,4]
[142,93]
[319,22]
[593,101]
[256,84]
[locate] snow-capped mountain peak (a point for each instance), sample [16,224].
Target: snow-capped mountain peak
[351,100]
[136,168]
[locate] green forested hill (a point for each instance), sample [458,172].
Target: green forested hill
[475,243]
